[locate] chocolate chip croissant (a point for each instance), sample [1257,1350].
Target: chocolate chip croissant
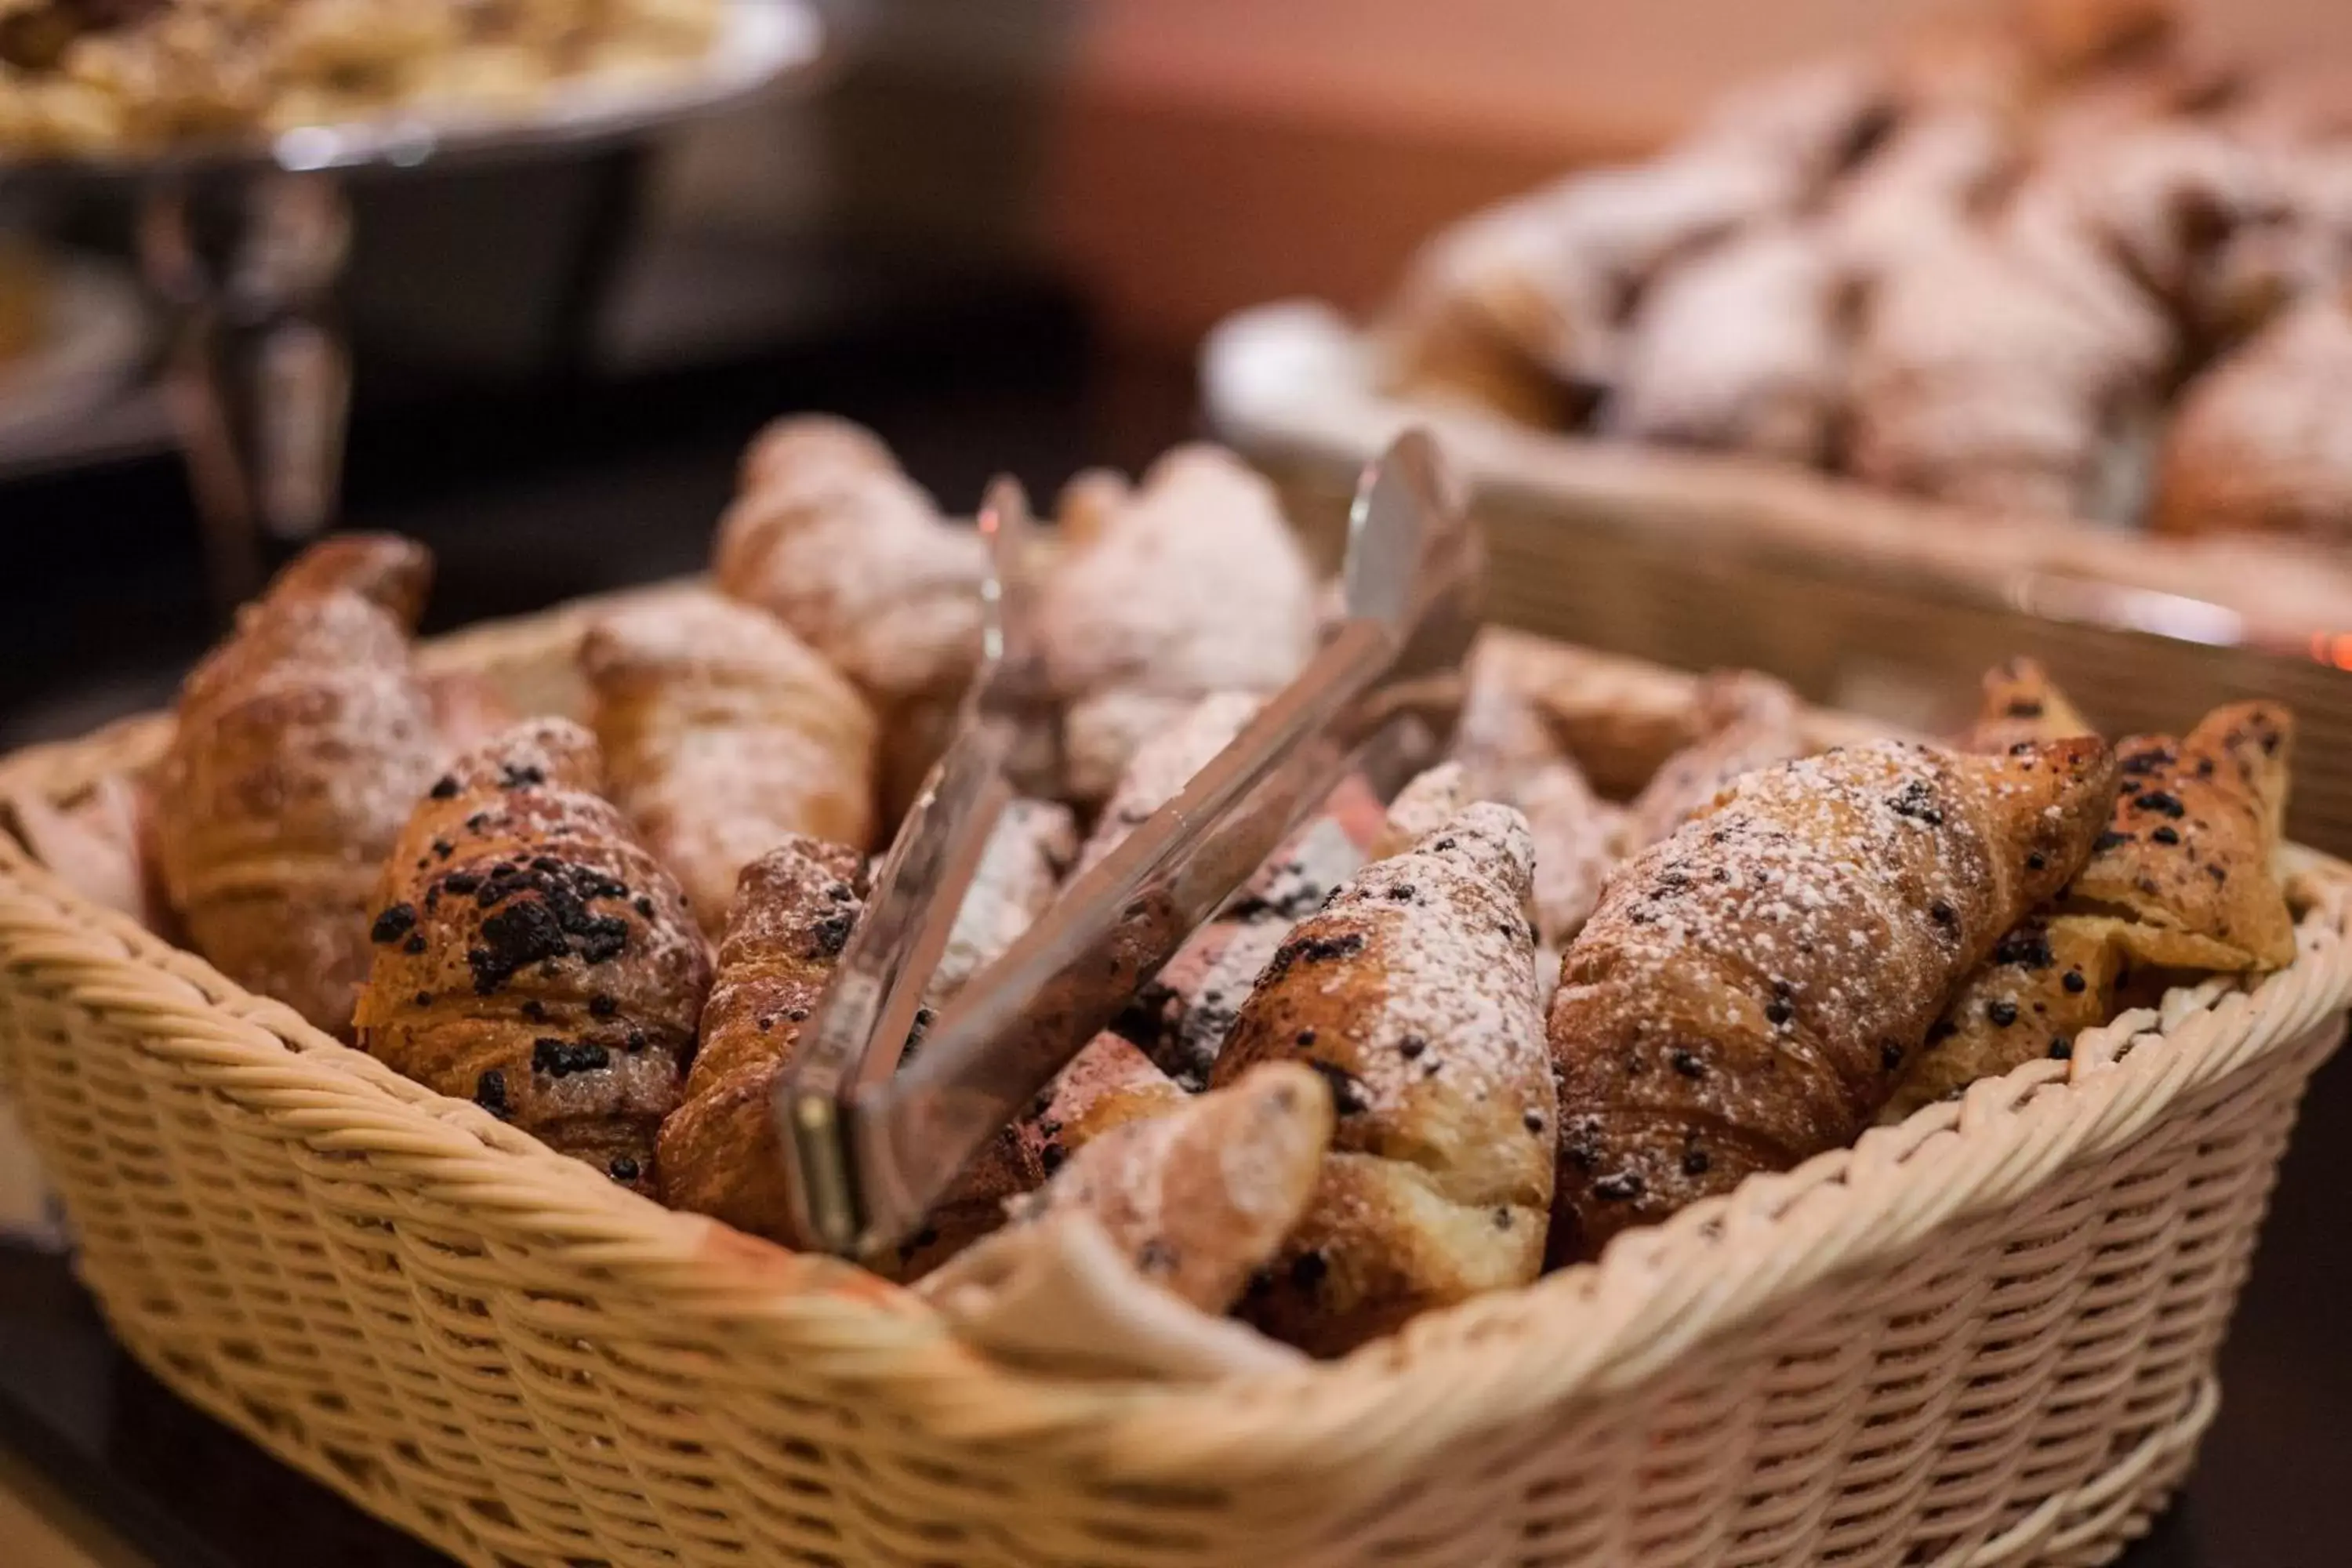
[1413,994]
[723,733]
[532,955]
[1750,990]
[2180,885]
[301,743]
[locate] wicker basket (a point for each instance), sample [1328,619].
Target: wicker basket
[1985,1337]
[1860,599]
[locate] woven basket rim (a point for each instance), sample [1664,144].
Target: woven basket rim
[1579,1334]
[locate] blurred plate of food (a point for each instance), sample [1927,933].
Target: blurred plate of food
[315,84]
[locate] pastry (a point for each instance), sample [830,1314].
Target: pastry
[99,841]
[2258,444]
[1750,990]
[1194,587]
[468,709]
[723,734]
[1199,1197]
[1924,189]
[301,743]
[2181,883]
[1750,723]
[1413,994]
[531,955]
[829,536]
[1577,839]
[1741,349]
[791,915]
[2021,703]
[1021,868]
[1988,379]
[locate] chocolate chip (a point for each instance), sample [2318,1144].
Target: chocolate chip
[443,788]
[394,924]
[1532,1120]
[1502,1219]
[1050,1156]
[561,1059]
[1687,1064]
[2165,834]
[828,936]
[513,777]
[2002,1014]
[623,1168]
[2109,839]
[2073,981]
[1943,915]
[414,945]
[2061,1048]
[424,998]
[1411,1047]
[1305,1037]
[2160,801]
[1403,893]
[1622,1187]
[444,848]
[1890,1055]
[603,1004]
[2027,947]
[490,1093]
[1347,1088]
[799,1015]
[840,893]
[461,882]
[2036,861]
[646,907]
[1916,800]
[1778,1012]
[1695,1161]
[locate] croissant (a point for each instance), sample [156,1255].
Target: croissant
[1021,870]
[99,841]
[1751,722]
[830,536]
[301,743]
[1194,587]
[1199,1196]
[532,955]
[1741,349]
[2256,444]
[723,734]
[793,910]
[1985,377]
[2021,704]
[1750,990]
[468,709]
[2181,882]
[1413,994]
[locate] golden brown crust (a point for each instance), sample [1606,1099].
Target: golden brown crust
[1750,723]
[302,742]
[1414,993]
[791,915]
[2050,980]
[2021,703]
[531,955]
[1199,1197]
[2187,862]
[392,573]
[724,734]
[1750,989]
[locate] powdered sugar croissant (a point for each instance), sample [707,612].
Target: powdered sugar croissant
[1413,994]
[1751,989]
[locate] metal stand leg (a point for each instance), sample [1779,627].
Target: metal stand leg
[258,377]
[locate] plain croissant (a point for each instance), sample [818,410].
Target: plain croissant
[723,733]
[302,742]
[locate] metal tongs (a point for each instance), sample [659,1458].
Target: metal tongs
[873,1146]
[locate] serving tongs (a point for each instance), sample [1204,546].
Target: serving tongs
[877,1126]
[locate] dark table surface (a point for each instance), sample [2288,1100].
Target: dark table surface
[533,496]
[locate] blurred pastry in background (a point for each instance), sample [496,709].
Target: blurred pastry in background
[2261,443]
